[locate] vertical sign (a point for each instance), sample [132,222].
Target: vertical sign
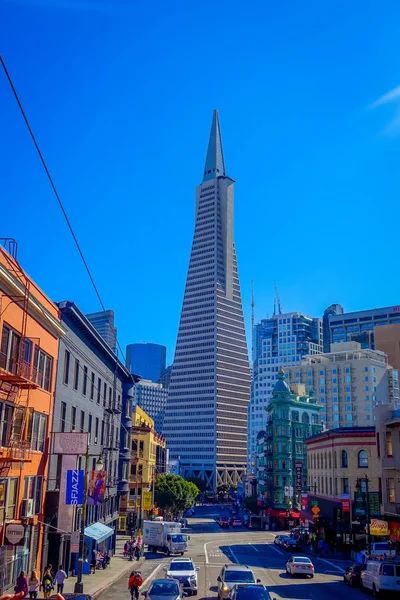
[75,485]
[345,503]
[298,467]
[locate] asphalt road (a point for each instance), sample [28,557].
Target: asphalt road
[211,547]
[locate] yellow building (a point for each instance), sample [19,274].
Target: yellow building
[148,459]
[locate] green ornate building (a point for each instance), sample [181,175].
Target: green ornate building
[281,463]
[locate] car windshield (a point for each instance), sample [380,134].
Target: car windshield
[302,559]
[239,576]
[252,593]
[181,566]
[382,546]
[291,541]
[164,588]
[179,537]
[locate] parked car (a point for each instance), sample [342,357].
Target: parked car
[299,565]
[237,523]
[291,544]
[250,592]
[381,576]
[283,539]
[164,589]
[230,576]
[223,522]
[184,571]
[352,575]
[277,539]
[184,522]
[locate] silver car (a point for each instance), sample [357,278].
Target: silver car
[232,575]
[184,571]
[164,589]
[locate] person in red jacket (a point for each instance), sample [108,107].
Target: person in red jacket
[134,583]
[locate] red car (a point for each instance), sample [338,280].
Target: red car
[237,523]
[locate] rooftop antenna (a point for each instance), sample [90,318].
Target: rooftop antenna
[277,301]
[252,320]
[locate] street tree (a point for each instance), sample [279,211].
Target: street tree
[174,495]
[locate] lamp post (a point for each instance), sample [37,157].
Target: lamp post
[367,507]
[78,588]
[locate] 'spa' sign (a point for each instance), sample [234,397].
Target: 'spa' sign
[74,488]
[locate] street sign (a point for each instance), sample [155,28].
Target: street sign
[147,498]
[74,545]
[15,533]
[314,502]
[315,510]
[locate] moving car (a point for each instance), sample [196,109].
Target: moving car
[164,589]
[230,576]
[352,575]
[291,544]
[184,571]
[250,592]
[381,576]
[237,523]
[283,539]
[223,522]
[299,565]
[277,539]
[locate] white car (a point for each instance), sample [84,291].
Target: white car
[184,571]
[381,576]
[300,565]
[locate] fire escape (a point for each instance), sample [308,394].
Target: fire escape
[17,374]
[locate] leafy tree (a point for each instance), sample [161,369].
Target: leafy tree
[198,482]
[224,488]
[174,495]
[251,503]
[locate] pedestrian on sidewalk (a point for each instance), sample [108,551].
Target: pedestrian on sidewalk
[47,583]
[138,548]
[134,583]
[93,561]
[22,584]
[33,585]
[126,549]
[59,579]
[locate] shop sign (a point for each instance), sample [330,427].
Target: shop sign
[345,503]
[70,443]
[74,545]
[298,467]
[147,498]
[378,527]
[374,504]
[15,533]
[304,501]
[359,504]
[394,531]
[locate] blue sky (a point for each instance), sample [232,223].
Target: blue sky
[120,94]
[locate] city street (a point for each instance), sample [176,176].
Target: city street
[211,547]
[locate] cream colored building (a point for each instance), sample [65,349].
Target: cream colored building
[348,383]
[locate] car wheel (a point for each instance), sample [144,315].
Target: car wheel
[344,581]
[194,593]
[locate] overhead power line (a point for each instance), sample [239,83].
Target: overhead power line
[53,186]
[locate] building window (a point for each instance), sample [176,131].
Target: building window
[85,378]
[6,422]
[390,490]
[90,426]
[33,487]
[82,423]
[11,497]
[92,387]
[73,418]
[98,390]
[363,459]
[345,460]
[43,364]
[345,485]
[105,395]
[347,379]
[67,359]
[37,429]
[63,414]
[96,431]
[389,444]
[76,374]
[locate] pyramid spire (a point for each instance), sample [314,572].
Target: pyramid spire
[215,166]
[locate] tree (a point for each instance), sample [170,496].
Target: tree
[174,495]
[251,503]
[224,488]
[198,482]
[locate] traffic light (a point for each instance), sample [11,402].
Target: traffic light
[131,521]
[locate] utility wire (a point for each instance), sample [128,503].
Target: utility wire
[53,186]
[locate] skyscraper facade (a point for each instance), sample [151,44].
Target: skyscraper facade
[152,398]
[206,418]
[103,322]
[147,360]
[280,341]
[333,309]
[359,326]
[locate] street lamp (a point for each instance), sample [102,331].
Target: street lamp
[367,507]
[78,588]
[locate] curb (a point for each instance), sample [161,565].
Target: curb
[114,579]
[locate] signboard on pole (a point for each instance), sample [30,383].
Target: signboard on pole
[359,504]
[74,545]
[345,503]
[75,486]
[378,527]
[147,500]
[70,443]
[304,501]
[14,533]
[298,467]
[315,510]
[374,504]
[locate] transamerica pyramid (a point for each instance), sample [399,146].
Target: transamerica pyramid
[206,417]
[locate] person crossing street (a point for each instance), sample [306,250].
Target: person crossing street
[134,583]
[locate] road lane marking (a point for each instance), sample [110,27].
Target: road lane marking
[331,564]
[234,555]
[274,548]
[153,573]
[254,548]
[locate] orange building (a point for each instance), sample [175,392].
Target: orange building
[30,330]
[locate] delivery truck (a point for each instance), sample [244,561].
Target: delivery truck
[164,536]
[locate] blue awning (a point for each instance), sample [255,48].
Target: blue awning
[99,532]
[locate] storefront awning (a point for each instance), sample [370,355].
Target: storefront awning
[99,532]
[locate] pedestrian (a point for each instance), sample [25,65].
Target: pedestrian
[134,583]
[47,583]
[126,549]
[50,568]
[320,547]
[132,546]
[33,585]
[93,561]
[21,584]
[59,579]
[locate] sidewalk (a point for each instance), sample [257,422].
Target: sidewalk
[103,578]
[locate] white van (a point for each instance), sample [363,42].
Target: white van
[381,576]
